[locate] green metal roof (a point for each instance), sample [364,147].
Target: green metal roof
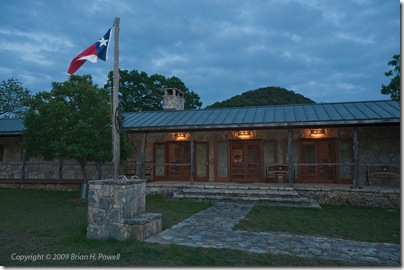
[298,115]
[13,126]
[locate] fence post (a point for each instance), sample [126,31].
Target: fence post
[60,176]
[356,159]
[24,161]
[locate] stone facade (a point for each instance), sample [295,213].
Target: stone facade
[116,209]
[377,145]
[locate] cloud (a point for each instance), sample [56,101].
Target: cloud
[325,50]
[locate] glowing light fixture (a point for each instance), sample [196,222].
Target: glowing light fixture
[180,135]
[244,134]
[317,131]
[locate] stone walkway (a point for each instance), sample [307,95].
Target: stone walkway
[212,228]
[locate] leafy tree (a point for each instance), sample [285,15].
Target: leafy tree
[72,121]
[263,96]
[13,98]
[141,92]
[393,88]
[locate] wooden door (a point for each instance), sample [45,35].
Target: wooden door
[246,161]
[179,156]
[316,152]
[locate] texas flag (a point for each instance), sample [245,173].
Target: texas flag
[97,50]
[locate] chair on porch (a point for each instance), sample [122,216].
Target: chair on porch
[275,170]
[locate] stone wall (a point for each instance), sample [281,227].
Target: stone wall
[49,170]
[385,198]
[44,186]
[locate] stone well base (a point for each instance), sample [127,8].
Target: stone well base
[145,225]
[116,209]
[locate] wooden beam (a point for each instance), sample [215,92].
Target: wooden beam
[192,173]
[142,157]
[115,108]
[290,158]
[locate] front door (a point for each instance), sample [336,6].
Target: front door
[179,157]
[313,153]
[246,161]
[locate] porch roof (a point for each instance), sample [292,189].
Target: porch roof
[299,115]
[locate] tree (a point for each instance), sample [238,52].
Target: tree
[263,96]
[72,121]
[393,88]
[13,98]
[140,92]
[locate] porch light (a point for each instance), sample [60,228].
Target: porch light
[317,131]
[180,136]
[244,134]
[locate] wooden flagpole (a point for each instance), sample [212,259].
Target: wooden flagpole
[116,116]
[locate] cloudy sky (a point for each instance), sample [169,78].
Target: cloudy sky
[326,50]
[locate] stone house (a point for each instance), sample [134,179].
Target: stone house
[326,143]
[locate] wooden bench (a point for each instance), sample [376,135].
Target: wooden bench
[382,172]
[276,170]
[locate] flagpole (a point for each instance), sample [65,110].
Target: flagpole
[115,108]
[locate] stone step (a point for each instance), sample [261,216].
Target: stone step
[279,201]
[243,192]
[269,195]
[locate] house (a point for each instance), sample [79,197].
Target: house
[328,143]
[325,143]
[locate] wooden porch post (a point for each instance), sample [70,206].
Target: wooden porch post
[356,159]
[142,156]
[290,159]
[192,173]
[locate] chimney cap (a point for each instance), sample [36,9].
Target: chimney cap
[172,91]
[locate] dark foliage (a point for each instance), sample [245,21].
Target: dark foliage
[263,96]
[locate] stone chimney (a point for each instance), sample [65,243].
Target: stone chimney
[173,99]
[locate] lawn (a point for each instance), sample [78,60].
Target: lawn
[36,223]
[368,224]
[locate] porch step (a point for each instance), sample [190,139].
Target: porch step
[278,196]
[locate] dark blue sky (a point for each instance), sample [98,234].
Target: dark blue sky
[329,51]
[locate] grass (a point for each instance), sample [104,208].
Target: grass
[368,224]
[37,222]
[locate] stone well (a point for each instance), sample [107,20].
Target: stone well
[116,209]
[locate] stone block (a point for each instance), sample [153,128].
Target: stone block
[145,225]
[104,203]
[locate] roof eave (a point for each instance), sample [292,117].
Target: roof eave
[366,122]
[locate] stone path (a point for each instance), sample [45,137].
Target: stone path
[213,228]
